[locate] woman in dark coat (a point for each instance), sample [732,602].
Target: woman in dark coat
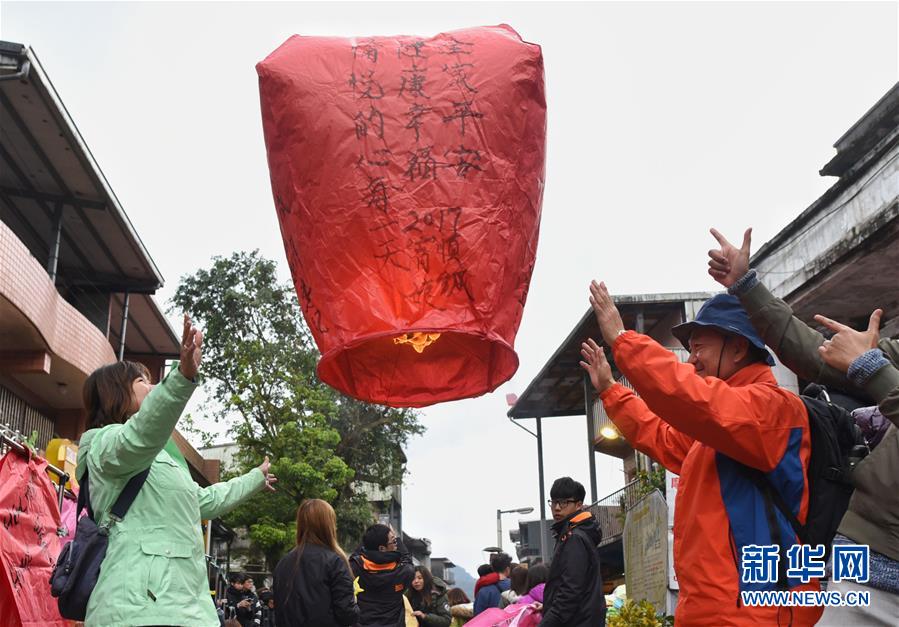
[428,599]
[312,584]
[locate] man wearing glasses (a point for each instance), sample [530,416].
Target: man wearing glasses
[383,569]
[573,596]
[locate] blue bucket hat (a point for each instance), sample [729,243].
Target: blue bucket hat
[724,313]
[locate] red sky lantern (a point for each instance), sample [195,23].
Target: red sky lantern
[408,179]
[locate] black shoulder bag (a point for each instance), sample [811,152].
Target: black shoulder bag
[78,566]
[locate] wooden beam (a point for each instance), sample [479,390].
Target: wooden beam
[25,362]
[53,198]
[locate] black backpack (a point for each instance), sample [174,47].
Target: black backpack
[837,445]
[78,566]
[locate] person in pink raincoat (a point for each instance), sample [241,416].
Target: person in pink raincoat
[523,613]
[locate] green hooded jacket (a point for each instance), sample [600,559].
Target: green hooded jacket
[154,572]
[437,611]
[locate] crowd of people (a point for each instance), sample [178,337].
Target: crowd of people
[244,605]
[379,586]
[720,421]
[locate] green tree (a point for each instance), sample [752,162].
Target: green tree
[259,367]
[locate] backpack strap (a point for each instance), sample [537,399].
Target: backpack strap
[774,499]
[84,497]
[129,493]
[768,494]
[122,504]
[761,482]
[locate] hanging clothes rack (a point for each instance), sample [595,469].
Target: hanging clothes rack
[12,439]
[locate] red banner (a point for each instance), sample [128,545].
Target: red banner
[407,175]
[29,545]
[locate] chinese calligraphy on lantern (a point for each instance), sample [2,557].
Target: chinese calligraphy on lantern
[435,90]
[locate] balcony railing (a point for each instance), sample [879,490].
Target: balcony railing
[17,416]
[611,510]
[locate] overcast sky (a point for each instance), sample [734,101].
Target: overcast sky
[663,120]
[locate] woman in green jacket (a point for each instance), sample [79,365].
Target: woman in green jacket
[154,572]
[427,596]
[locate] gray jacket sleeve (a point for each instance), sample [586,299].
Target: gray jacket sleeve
[883,387]
[793,341]
[796,344]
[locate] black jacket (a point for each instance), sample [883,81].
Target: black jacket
[316,591]
[268,618]
[383,578]
[436,609]
[246,616]
[573,595]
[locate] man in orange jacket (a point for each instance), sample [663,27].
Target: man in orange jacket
[706,420]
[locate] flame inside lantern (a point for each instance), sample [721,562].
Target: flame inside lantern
[418,341]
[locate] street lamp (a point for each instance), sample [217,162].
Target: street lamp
[499,521]
[609,432]
[512,400]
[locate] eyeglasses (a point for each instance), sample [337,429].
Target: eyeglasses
[553,503]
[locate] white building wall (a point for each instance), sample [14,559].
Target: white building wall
[222,452]
[840,222]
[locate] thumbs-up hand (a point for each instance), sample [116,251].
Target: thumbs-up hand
[847,344]
[728,264]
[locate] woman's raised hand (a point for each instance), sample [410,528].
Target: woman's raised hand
[191,349]
[270,479]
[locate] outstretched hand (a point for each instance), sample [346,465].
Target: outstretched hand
[270,479]
[191,349]
[597,366]
[729,263]
[847,344]
[607,315]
